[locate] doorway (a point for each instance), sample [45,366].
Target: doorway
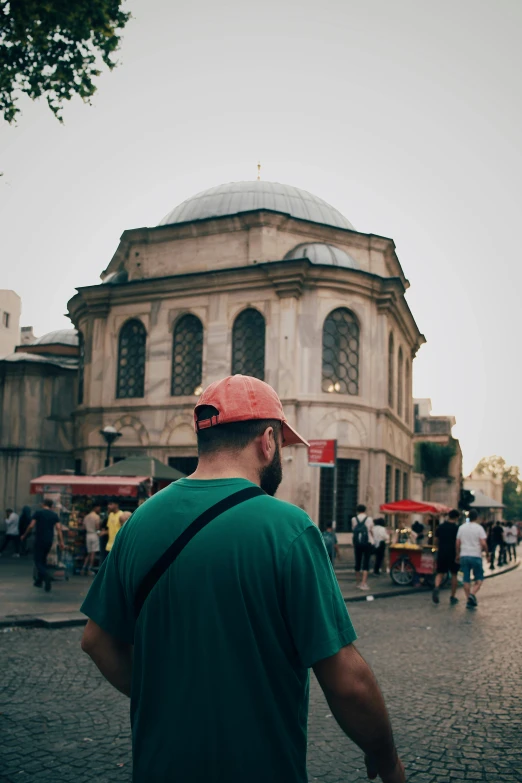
[347,494]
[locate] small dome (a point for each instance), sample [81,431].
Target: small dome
[236,197]
[116,278]
[59,337]
[320,253]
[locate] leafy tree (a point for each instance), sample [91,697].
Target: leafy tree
[55,48]
[511,483]
[433,459]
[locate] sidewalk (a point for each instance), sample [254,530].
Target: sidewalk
[21,604]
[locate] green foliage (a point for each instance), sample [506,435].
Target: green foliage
[55,48]
[511,483]
[433,459]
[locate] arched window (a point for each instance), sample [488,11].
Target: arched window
[407,392]
[81,366]
[341,353]
[391,368]
[400,383]
[187,355]
[248,344]
[131,360]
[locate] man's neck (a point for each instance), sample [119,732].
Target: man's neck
[221,468]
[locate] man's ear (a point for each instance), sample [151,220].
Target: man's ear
[268,443]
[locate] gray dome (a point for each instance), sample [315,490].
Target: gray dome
[59,337]
[239,197]
[116,278]
[320,253]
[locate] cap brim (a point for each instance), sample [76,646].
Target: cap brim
[291,437]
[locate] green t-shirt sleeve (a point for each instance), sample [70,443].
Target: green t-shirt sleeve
[106,603]
[315,609]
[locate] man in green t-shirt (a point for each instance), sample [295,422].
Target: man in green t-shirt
[212,635]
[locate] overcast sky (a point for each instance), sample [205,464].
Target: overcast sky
[404,115]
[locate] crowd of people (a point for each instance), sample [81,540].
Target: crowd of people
[101,529]
[370,538]
[459,548]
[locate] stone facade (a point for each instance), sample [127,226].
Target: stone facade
[437,429]
[214,269]
[37,400]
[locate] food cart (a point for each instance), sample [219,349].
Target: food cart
[411,562]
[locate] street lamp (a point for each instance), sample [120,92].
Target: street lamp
[110,434]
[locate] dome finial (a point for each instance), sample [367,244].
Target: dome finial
[258,171]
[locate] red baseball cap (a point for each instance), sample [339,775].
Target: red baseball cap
[242,398]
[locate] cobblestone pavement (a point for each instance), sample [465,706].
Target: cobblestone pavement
[451,677]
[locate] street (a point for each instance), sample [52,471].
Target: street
[451,678]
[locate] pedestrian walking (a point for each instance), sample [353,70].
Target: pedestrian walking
[363,543]
[46,523]
[25,521]
[331,543]
[381,538]
[216,601]
[113,524]
[511,540]
[446,535]
[91,525]
[103,536]
[12,532]
[471,542]
[497,542]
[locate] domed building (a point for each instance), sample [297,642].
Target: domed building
[38,396]
[267,280]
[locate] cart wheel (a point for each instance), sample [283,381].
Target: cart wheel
[402,573]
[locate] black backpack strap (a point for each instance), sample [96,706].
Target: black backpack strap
[168,557]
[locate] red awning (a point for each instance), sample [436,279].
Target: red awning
[119,486]
[414,507]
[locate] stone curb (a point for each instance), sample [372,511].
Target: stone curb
[74,620]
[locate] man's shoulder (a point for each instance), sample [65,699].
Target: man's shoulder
[282,508]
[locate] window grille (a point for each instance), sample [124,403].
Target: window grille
[391,369]
[387,491]
[131,360]
[248,344]
[400,383]
[347,492]
[407,392]
[81,366]
[341,353]
[187,357]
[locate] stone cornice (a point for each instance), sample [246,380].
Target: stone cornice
[287,278]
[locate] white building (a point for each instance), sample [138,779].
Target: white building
[267,280]
[10,311]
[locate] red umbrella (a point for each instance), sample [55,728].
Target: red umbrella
[414,507]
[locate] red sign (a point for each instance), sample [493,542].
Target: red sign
[322,453]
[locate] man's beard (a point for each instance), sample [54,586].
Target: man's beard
[272,475]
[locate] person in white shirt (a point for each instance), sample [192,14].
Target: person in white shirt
[12,533]
[511,540]
[363,541]
[471,543]
[381,537]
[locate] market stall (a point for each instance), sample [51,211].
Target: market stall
[413,556]
[160,475]
[74,495]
